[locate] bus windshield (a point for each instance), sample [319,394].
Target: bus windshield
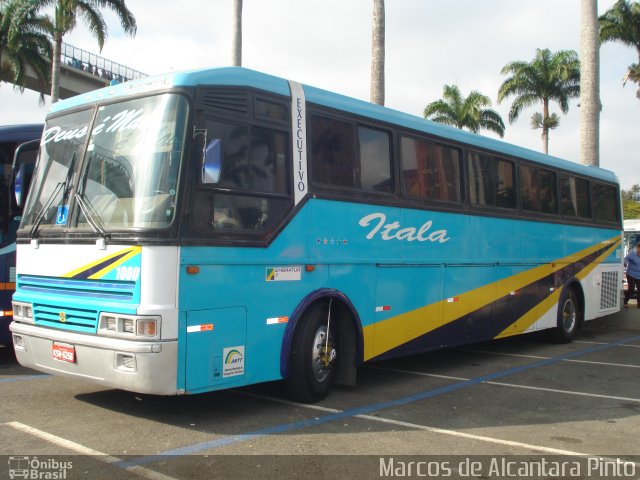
[125,175]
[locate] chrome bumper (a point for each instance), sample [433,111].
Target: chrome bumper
[136,366]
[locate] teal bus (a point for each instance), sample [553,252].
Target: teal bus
[206,230]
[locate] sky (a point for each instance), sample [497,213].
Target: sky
[429,43]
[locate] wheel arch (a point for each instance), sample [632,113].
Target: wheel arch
[576,285]
[347,314]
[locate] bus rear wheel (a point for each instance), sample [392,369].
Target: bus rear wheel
[569,317]
[313,356]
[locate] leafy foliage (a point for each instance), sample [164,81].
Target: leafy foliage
[548,77]
[470,112]
[622,24]
[630,203]
[67,13]
[24,43]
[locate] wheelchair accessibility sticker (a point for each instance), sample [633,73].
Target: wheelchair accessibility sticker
[61,217]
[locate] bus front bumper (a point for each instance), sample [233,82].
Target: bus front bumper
[136,366]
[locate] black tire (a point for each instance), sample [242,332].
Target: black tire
[313,365]
[569,317]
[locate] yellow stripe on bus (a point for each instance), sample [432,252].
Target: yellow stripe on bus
[532,316]
[132,251]
[388,334]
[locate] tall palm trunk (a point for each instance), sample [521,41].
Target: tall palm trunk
[377,53]
[589,84]
[236,49]
[55,66]
[545,125]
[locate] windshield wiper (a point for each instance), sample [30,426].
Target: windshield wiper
[93,217]
[34,230]
[43,211]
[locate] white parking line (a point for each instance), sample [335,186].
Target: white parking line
[606,343]
[512,385]
[415,426]
[537,357]
[82,450]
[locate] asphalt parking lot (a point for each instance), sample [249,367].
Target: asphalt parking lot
[512,399]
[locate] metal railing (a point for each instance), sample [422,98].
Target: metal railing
[91,63]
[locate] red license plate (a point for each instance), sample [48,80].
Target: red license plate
[65,353]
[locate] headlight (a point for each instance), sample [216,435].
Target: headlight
[23,312]
[129,326]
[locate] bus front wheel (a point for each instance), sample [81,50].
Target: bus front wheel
[313,355]
[569,317]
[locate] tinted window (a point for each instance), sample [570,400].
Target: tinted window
[538,189]
[548,192]
[332,152]
[251,161]
[374,168]
[271,111]
[430,170]
[575,197]
[252,191]
[344,156]
[491,181]
[605,205]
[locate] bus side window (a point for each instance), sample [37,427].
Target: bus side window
[529,188]
[575,197]
[491,181]
[332,152]
[548,192]
[605,208]
[374,160]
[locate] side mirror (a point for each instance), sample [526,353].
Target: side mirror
[18,186]
[23,163]
[212,162]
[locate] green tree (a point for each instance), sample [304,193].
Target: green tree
[630,204]
[630,209]
[470,112]
[622,24]
[66,15]
[548,77]
[24,43]
[632,194]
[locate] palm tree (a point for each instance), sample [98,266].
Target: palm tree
[470,112]
[65,19]
[236,49]
[622,24]
[24,43]
[589,84]
[377,53]
[548,77]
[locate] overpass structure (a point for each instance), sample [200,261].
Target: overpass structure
[82,71]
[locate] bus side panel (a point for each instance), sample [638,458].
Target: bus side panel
[254,291]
